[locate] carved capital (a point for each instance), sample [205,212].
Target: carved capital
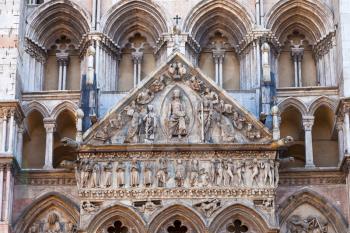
[308,122]
[62,58]
[50,125]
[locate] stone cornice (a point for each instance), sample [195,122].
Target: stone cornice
[311,177]
[45,178]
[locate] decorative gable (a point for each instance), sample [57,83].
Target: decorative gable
[178,104]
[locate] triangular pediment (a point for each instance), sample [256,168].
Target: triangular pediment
[177,104]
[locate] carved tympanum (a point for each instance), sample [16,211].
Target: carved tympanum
[311,224]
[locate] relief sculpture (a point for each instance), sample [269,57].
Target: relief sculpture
[177,118]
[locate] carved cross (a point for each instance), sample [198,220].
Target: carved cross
[237,227]
[177,228]
[117,228]
[177,19]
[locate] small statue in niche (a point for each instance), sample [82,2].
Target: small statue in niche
[219,174]
[108,174]
[194,175]
[180,173]
[194,83]
[162,172]
[145,97]
[150,121]
[158,84]
[52,225]
[268,168]
[86,173]
[227,174]
[204,179]
[212,172]
[134,173]
[120,174]
[134,124]
[240,172]
[177,117]
[206,114]
[254,167]
[96,175]
[147,174]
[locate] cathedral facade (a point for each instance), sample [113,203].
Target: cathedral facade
[174,116]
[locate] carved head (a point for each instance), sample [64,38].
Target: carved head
[176,94]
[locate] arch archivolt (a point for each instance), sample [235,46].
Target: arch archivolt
[51,212]
[311,208]
[126,17]
[53,17]
[308,109]
[36,106]
[65,105]
[314,17]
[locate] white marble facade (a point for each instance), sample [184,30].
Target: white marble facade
[174,116]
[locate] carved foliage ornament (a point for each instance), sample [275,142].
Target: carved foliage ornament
[153,116]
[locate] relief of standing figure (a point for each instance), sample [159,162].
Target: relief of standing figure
[134,174]
[177,117]
[133,130]
[150,121]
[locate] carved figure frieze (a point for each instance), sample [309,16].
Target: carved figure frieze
[311,224]
[149,206]
[157,177]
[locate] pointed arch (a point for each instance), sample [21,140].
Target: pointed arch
[175,212]
[322,101]
[294,102]
[35,105]
[245,214]
[52,18]
[307,196]
[227,16]
[120,213]
[65,105]
[313,18]
[127,17]
[44,203]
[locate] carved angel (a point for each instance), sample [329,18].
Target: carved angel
[194,83]
[158,84]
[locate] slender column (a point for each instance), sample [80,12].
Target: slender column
[62,60]
[64,76]
[137,58]
[79,125]
[299,70]
[347,131]
[340,125]
[12,130]
[297,53]
[216,70]
[20,144]
[4,132]
[308,122]
[221,59]
[49,125]
[7,194]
